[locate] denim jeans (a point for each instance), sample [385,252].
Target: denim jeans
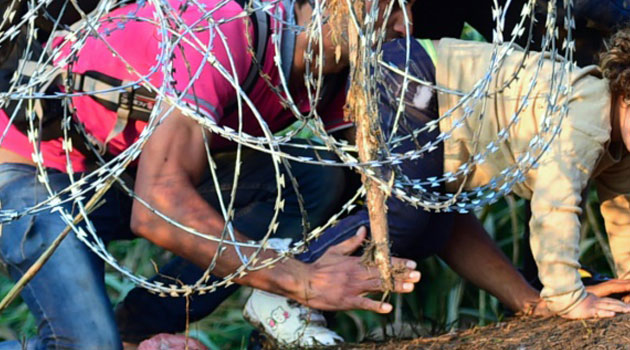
[68,295]
[414,232]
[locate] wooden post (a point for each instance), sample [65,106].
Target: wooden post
[369,140]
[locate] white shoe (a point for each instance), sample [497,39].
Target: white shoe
[287,322]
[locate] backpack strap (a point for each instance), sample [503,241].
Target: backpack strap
[262,32]
[134,102]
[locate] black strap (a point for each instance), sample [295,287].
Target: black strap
[136,102]
[262,33]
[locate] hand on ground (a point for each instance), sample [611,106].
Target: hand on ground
[595,307]
[337,281]
[171,342]
[537,308]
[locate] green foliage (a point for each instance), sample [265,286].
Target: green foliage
[16,321]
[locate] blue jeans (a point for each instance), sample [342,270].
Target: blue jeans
[414,233]
[68,295]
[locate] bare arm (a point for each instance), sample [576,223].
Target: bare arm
[173,163]
[473,255]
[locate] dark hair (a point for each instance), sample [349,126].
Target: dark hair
[615,63]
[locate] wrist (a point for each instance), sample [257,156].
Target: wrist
[292,281]
[285,278]
[525,301]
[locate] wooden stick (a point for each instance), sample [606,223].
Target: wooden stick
[368,132]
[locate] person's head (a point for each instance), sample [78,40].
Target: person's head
[615,66]
[335,31]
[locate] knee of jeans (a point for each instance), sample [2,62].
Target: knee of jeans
[19,243]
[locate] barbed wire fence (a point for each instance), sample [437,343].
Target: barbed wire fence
[366,39]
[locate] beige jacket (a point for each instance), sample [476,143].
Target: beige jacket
[581,151]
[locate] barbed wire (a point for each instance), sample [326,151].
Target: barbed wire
[55,62]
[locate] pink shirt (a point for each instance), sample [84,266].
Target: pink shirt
[138,42]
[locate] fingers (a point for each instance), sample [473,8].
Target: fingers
[348,246]
[612,305]
[595,307]
[376,285]
[404,278]
[368,304]
[403,287]
[604,313]
[540,309]
[404,263]
[412,276]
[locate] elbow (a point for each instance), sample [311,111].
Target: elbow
[143,222]
[147,225]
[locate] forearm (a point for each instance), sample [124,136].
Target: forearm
[183,204]
[473,255]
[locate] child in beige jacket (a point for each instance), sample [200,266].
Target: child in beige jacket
[593,143]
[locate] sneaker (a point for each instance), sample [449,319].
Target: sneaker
[287,322]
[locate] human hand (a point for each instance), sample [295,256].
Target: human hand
[337,281]
[536,307]
[611,287]
[596,307]
[607,288]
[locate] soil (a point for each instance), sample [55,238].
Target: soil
[523,334]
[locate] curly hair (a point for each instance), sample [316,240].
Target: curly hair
[615,63]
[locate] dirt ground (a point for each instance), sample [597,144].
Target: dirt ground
[524,334]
